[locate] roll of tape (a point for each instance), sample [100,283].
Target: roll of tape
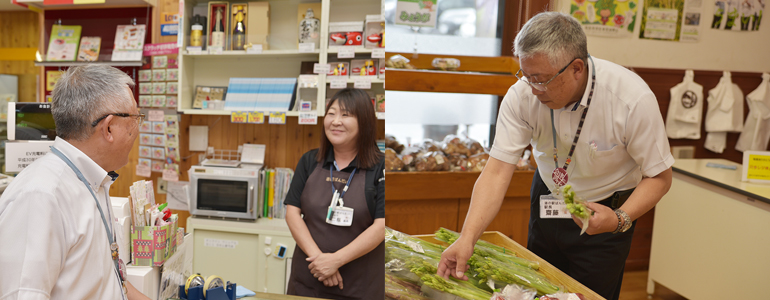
[193,281]
[213,282]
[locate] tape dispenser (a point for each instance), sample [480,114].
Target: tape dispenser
[212,288]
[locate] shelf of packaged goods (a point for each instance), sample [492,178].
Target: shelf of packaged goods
[215,112]
[244,54]
[360,49]
[373,79]
[36,5]
[80,63]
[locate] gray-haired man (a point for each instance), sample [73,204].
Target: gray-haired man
[56,222]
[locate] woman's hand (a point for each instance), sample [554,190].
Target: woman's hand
[334,280]
[324,265]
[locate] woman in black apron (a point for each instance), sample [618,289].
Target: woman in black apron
[335,207]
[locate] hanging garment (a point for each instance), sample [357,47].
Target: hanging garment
[724,114]
[685,109]
[756,131]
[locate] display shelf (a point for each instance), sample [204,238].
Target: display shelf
[264,54]
[40,4]
[217,112]
[374,79]
[80,63]
[334,50]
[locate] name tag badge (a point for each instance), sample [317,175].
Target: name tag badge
[341,216]
[552,208]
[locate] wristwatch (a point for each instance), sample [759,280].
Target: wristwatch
[624,221]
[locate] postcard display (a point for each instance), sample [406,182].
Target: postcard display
[158,89]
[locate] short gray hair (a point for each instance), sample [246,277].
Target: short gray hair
[85,93]
[556,35]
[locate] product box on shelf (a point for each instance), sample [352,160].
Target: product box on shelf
[339,68]
[63,45]
[258,26]
[363,67]
[374,34]
[346,34]
[218,17]
[381,65]
[153,245]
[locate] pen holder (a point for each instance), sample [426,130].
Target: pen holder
[196,293]
[153,245]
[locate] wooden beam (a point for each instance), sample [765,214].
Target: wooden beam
[448,82]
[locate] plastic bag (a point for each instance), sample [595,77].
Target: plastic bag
[391,142]
[563,296]
[398,62]
[474,146]
[430,145]
[446,64]
[458,162]
[392,162]
[452,144]
[432,161]
[477,162]
[515,292]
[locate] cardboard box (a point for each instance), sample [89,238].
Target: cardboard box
[346,34]
[374,33]
[153,245]
[212,20]
[363,67]
[339,68]
[258,26]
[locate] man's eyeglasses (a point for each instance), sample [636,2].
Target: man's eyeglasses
[139,117]
[541,86]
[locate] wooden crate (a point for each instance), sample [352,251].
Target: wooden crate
[555,275]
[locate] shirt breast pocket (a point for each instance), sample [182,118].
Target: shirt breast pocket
[595,162]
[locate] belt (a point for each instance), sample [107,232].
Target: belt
[617,199]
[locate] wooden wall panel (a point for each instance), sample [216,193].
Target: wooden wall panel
[423,216]
[20,29]
[512,219]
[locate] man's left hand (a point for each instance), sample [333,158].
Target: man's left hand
[603,219]
[323,266]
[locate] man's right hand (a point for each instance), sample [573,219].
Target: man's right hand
[454,260]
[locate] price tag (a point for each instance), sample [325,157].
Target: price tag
[238,117]
[215,50]
[278,118]
[380,115]
[363,83]
[155,115]
[321,68]
[338,82]
[306,47]
[308,118]
[170,175]
[143,171]
[346,52]
[255,49]
[756,166]
[308,81]
[256,117]
[378,53]
[194,50]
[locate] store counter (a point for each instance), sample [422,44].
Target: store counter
[711,234]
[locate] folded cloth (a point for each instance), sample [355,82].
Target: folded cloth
[241,292]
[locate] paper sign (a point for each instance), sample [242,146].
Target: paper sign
[169,24]
[194,50]
[176,195]
[363,83]
[143,171]
[278,118]
[308,81]
[308,118]
[346,52]
[239,117]
[18,155]
[420,13]
[161,49]
[756,166]
[155,116]
[256,117]
[255,49]
[321,68]
[170,175]
[51,77]
[378,53]
[338,83]
[306,47]
[215,50]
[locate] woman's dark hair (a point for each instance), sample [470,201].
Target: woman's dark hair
[358,104]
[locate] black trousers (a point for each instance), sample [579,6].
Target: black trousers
[596,261]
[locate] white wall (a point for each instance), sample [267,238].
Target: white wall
[717,50]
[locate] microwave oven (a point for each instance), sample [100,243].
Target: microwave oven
[224,192]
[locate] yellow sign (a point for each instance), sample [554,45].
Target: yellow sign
[758,166]
[51,77]
[238,117]
[256,117]
[278,118]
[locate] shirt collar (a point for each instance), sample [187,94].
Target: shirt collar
[93,173]
[584,101]
[329,161]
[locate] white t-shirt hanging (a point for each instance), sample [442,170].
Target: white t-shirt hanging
[756,131]
[725,113]
[685,109]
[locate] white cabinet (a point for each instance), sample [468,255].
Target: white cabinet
[242,252]
[283,58]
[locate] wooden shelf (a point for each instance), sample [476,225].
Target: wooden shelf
[264,54]
[214,112]
[80,63]
[447,185]
[449,82]
[36,5]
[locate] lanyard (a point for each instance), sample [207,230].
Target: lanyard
[345,189]
[560,174]
[110,235]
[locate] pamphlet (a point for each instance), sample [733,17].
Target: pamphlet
[64,42]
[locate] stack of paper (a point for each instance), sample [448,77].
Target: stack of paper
[274,185]
[260,94]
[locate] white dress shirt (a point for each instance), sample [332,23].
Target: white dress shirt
[685,109]
[756,130]
[54,244]
[623,122]
[725,113]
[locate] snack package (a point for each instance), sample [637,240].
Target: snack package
[477,162]
[392,162]
[474,146]
[430,145]
[446,64]
[454,145]
[432,161]
[398,62]
[391,142]
[408,156]
[459,162]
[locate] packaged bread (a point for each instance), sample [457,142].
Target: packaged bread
[474,147]
[432,161]
[391,142]
[454,145]
[430,145]
[477,162]
[458,162]
[409,155]
[392,162]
